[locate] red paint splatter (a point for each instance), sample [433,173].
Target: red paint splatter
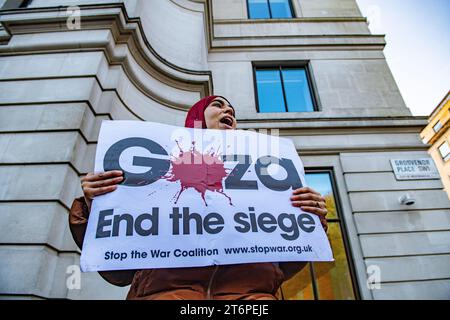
[203,172]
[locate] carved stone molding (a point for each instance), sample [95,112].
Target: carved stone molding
[128,43]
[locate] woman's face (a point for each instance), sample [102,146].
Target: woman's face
[220,115]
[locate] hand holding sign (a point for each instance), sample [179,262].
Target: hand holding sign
[195,204]
[96,184]
[311,201]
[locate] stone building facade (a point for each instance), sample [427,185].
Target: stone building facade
[437,135]
[150,60]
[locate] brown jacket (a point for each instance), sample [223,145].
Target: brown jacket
[252,281]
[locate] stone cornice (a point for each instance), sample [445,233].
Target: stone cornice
[341,124]
[129,42]
[309,42]
[291,20]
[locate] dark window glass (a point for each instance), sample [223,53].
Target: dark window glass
[268,9]
[333,279]
[283,90]
[324,280]
[299,287]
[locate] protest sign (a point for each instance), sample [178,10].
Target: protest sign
[193,197]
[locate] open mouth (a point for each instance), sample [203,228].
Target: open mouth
[227,120]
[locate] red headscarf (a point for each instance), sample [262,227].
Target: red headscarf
[197,112]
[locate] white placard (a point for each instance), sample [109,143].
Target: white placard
[194,197]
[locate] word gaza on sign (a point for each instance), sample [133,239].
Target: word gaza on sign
[198,197]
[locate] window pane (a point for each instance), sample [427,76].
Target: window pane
[258,9]
[321,182]
[299,287]
[270,92]
[444,149]
[437,126]
[297,91]
[280,9]
[333,278]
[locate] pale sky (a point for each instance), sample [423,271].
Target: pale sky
[418,47]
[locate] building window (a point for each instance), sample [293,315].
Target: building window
[437,126]
[269,9]
[444,150]
[325,280]
[284,89]
[16,4]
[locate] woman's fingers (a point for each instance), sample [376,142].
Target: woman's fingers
[308,196]
[311,201]
[102,183]
[92,176]
[321,212]
[95,184]
[308,203]
[305,190]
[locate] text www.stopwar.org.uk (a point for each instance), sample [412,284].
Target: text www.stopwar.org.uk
[268,249]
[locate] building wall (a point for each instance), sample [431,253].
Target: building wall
[125,62]
[436,139]
[442,165]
